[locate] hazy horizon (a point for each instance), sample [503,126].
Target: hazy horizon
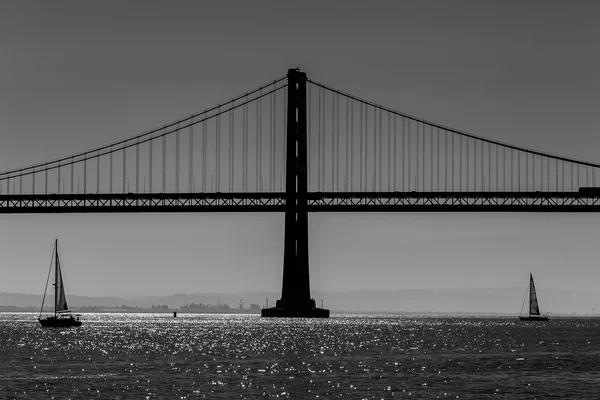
[504,300]
[525,287]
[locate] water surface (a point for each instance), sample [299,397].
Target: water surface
[118,356]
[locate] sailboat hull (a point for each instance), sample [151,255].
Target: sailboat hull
[534,318]
[53,322]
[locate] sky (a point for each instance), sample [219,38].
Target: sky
[75,76]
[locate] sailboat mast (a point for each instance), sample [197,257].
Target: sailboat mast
[56,272]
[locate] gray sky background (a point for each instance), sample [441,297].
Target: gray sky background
[77,75]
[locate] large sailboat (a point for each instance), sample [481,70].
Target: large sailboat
[534,308]
[62,317]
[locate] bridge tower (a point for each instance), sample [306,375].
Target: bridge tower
[295,294]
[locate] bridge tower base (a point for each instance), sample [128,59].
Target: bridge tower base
[295,299]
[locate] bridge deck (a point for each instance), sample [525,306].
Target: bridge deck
[317,202]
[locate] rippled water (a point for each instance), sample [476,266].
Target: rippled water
[121,356]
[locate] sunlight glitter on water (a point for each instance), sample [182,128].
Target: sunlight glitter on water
[245,356]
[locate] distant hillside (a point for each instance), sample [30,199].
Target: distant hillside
[469,300]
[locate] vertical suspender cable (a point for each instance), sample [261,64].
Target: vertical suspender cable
[320,114]
[97,174]
[409,177]
[333,119]
[337,151]
[351,147]
[204,149]
[284,130]
[164,162]
[360,132]
[403,148]
[245,145]
[323,137]
[177,159]
[453,161]
[275,139]
[366,130]
[437,136]
[460,163]
[271,136]
[150,152]
[423,156]
[430,158]
[375,133]
[395,150]
[72,173]
[497,187]
[137,167]
[124,166]
[380,142]
[110,180]
[231,150]
[259,145]
[417,152]
[191,157]
[309,133]
[389,143]
[563,176]
[218,152]
[346,171]
[474,162]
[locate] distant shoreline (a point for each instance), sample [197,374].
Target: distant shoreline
[136,310]
[22,310]
[490,301]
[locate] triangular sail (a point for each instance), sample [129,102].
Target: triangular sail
[60,303]
[534,308]
[47,280]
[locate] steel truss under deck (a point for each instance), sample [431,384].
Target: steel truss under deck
[317,202]
[455,202]
[132,203]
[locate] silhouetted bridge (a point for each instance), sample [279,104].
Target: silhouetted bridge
[360,157]
[298,146]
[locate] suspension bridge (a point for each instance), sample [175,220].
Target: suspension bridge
[295,145]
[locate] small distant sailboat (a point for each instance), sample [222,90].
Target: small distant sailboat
[534,308]
[62,317]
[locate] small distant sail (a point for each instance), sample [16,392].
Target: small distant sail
[534,308]
[61,298]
